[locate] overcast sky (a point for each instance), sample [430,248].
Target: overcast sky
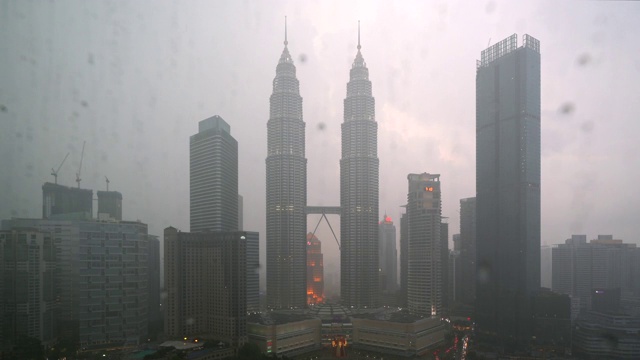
[134,78]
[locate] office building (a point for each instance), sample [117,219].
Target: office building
[286,190]
[27,268]
[467,286]
[606,336]
[388,256]
[359,175]
[60,199]
[404,260]
[101,282]
[507,189]
[205,280]
[284,334]
[545,266]
[315,271]
[213,180]
[253,271]
[444,263]
[424,210]
[110,204]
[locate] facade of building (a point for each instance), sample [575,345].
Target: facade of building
[507,188]
[253,271]
[101,282]
[27,268]
[315,271]
[205,280]
[286,167]
[110,203]
[60,199]
[388,256]
[359,173]
[444,264]
[467,285]
[398,334]
[606,336]
[579,267]
[404,260]
[284,334]
[545,266]
[213,177]
[153,285]
[424,210]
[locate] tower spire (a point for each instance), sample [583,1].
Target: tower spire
[359,35]
[285,32]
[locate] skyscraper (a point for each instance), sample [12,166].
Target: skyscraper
[110,203]
[404,260]
[508,187]
[213,166]
[467,294]
[359,191]
[388,256]
[286,190]
[60,199]
[424,210]
[205,275]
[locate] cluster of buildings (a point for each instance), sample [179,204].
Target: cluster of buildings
[96,280]
[71,277]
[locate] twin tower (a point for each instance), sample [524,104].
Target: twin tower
[287,209]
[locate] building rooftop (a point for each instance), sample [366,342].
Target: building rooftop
[276,318]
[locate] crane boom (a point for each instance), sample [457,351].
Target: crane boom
[78,179]
[55,172]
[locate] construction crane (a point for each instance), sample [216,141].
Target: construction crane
[78,179]
[107,179]
[55,172]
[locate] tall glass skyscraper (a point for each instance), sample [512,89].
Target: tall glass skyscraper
[507,188]
[424,216]
[213,166]
[286,191]
[359,191]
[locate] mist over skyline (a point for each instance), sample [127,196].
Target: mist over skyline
[134,80]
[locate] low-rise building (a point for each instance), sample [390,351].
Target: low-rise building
[284,334]
[397,333]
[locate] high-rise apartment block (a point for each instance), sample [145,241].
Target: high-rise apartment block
[28,300]
[580,267]
[424,210]
[315,271]
[388,255]
[286,167]
[507,188]
[213,166]
[359,173]
[205,280]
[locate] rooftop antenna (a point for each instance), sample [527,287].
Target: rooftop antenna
[359,35]
[285,32]
[78,179]
[107,179]
[55,172]
[489,42]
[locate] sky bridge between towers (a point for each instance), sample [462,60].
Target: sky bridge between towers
[323,211]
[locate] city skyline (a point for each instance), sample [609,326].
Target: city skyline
[442,133]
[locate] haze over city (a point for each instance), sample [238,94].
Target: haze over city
[134,79]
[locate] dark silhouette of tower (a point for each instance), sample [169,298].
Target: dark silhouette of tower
[508,189]
[359,191]
[286,190]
